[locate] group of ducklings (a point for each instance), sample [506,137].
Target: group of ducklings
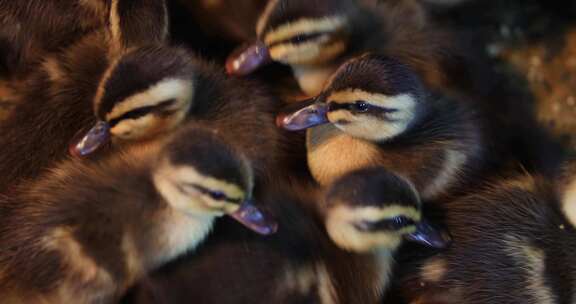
[128,156]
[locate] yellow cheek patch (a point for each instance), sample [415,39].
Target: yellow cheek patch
[305,26]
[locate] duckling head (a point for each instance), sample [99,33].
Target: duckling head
[146,91]
[372,208]
[296,32]
[201,176]
[371,97]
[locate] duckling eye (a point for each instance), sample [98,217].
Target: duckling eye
[217,195]
[361,106]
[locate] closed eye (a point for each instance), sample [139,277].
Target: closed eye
[142,111]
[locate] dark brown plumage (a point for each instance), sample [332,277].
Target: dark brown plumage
[513,243]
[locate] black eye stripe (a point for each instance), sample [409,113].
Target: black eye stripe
[220,196]
[299,39]
[142,111]
[353,107]
[392,224]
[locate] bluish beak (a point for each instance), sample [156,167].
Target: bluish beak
[98,135]
[309,114]
[247,59]
[251,217]
[429,236]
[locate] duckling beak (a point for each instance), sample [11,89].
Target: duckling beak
[312,114]
[92,140]
[429,236]
[251,217]
[247,59]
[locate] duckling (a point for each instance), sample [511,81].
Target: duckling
[55,100]
[513,242]
[87,231]
[316,37]
[33,29]
[174,86]
[377,111]
[300,263]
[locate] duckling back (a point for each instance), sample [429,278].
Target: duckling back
[512,244]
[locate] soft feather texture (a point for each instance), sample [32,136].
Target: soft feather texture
[512,244]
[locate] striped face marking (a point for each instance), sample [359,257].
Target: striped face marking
[370,116]
[307,41]
[363,229]
[158,109]
[188,190]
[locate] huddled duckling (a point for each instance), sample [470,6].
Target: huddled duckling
[55,99]
[514,242]
[377,111]
[369,213]
[315,37]
[146,91]
[173,86]
[86,231]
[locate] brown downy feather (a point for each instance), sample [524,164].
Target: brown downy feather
[30,30]
[513,243]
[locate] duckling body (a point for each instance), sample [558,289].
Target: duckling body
[376,112]
[513,243]
[88,230]
[176,87]
[433,154]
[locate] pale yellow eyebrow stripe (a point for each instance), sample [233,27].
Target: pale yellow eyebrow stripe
[304,26]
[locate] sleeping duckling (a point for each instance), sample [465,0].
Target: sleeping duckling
[173,86]
[86,231]
[376,111]
[514,242]
[315,37]
[300,264]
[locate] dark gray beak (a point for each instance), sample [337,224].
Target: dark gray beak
[251,217]
[97,136]
[310,114]
[247,59]
[429,236]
